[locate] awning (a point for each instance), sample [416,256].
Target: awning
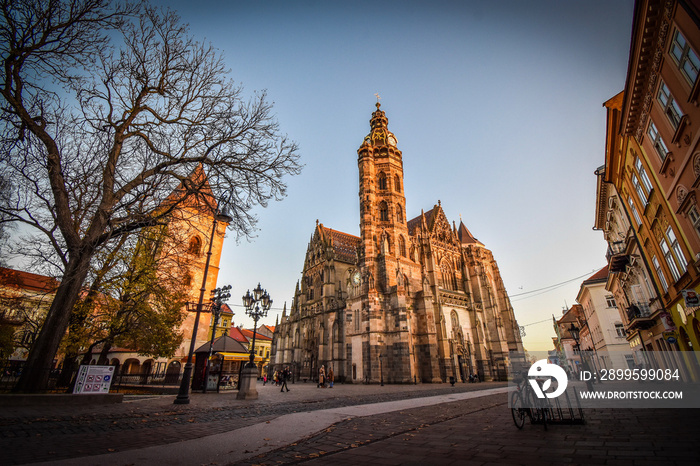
[238,356]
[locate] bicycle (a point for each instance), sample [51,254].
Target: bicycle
[522,401]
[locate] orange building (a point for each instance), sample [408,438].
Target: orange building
[648,187]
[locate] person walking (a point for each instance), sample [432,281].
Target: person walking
[321,377]
[330,377]
[284,376]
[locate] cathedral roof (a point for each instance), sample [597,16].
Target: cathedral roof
[415,222]
[465,236]
[344,245]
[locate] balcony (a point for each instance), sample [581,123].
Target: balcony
[617,257]
[639,316]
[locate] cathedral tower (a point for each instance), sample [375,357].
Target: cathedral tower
[382,204]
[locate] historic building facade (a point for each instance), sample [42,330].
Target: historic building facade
[648,188]
[407,301]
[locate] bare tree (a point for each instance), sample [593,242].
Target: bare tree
[108,107]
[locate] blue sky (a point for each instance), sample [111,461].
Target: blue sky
[497,108]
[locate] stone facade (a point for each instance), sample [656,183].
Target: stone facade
[407,301]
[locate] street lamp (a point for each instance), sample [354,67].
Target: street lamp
[575,334]
[183,396]
[219,297]
[256,306]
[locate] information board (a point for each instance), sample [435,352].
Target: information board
[94,379]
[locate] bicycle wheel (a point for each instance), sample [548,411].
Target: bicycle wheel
[517,410]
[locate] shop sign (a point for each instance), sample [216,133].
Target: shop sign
[691,298]
[670,337]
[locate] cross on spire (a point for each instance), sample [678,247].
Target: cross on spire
[378,99]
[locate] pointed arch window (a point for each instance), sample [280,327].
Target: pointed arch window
[402,246]
[448,279]
[397,184]
[195,246]
[399,214]
[383,211]
[382,181]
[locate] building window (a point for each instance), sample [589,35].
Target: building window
[641,181]
[676,248]
[397,184]
[399,214]
[638,187]
[635,213]
[383,212]
[402,246]
[657,142]
[620,330]
[694,219]
[659,273]
[642,174]
[382,181]
[668,255]
[671,108]
[610,300]
[685,57]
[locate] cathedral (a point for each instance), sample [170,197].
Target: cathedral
[407,301]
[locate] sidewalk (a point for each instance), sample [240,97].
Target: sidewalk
[52,433]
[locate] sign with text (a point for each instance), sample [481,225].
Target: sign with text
[94,379]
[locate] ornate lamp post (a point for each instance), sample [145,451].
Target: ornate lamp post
[256,306]
[183,396]
[219,297]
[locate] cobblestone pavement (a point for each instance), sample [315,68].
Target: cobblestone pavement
[34,434]
[473,431]
[481,432]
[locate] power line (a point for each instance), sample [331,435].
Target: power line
[535,323]
[550,287]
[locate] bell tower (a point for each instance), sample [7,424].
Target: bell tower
[383,226]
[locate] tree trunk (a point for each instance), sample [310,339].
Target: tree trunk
[106,347]
[35,374]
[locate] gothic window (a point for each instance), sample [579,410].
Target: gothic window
[399,214]
[195,246]
[447,276]
[382,181]
[397,184]
[455,321]
[402,246]
[383,212]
